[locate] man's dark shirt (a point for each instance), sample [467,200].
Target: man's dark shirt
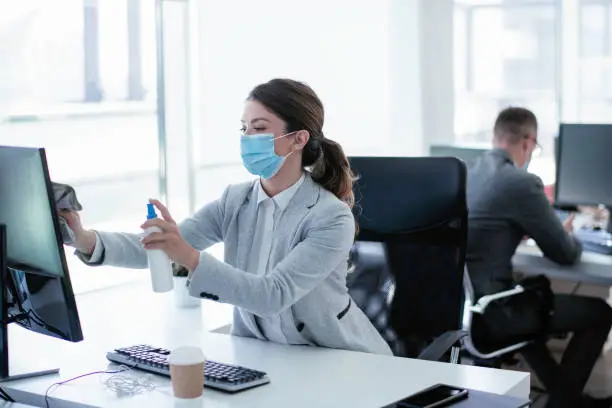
[505,205]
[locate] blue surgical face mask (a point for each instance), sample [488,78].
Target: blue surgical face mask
[526,165]
[258,154]
[527,162]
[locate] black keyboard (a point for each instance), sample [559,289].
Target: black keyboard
[225,377]
[595,240]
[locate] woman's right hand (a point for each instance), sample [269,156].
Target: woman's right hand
[84,240]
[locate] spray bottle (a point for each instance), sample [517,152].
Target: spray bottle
[159,263]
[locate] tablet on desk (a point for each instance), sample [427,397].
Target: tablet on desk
[439,395]
[476,399]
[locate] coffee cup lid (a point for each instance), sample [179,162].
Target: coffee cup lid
[186,355]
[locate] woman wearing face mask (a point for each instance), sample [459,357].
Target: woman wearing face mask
[287,235]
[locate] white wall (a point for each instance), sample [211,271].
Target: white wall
[436,60]
[383,69]
[406,114]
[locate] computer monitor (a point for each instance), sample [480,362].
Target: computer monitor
[584,165]
[468,155]
[37,293]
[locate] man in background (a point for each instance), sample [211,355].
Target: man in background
[506,203]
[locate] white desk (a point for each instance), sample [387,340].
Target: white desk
[301,376]
[595,269]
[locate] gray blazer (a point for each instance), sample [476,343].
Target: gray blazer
[306,287]
[506,204]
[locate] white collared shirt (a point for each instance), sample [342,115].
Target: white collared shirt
[269,211]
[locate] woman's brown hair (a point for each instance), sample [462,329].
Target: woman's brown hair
[301,109]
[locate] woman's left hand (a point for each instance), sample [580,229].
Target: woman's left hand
[170,240]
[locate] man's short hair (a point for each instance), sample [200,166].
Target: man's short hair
[513,124]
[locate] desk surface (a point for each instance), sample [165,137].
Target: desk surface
[593,268]
[306,376]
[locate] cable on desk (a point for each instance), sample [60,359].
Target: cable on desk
[5,397]
[125,384]
[120,370]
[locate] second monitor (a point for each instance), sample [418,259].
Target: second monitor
[584,166]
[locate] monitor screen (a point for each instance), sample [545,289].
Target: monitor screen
[584,165]
[24,203]
[468,155]
[40,292]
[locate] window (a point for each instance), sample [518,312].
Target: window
[508,57]
[595,62]
[81,82]
[554,57]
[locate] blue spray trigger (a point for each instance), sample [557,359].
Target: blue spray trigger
[151,211]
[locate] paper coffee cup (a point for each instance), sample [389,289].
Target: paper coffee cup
[187,372]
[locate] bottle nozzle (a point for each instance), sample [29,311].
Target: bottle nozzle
[151,211]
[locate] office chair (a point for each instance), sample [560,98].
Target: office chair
[408,262]
[477,341]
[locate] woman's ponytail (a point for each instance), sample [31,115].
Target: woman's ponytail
[333,171]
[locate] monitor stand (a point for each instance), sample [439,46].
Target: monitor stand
[9,372]
[17,372]
[597,240]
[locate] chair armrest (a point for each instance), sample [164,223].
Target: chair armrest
[480,308]
[443,343]
[484,301]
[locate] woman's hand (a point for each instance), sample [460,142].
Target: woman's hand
[169,239]
[84,240]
